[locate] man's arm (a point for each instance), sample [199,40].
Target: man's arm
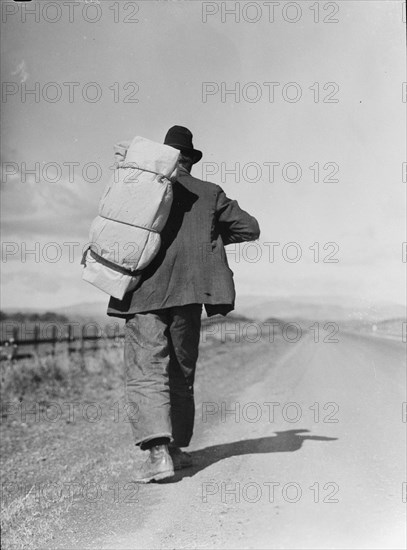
[234,224]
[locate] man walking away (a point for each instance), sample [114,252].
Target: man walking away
[163,312]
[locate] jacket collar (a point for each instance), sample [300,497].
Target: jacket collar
[182,172]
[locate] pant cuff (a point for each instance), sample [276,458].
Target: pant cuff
[139,442]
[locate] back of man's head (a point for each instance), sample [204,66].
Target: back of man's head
[186,161]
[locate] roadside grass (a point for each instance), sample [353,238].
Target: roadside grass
[45,377]
[48,377]
[39,458]
[43,456]
[48,458]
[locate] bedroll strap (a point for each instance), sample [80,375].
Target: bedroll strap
[130,224]
[109,264]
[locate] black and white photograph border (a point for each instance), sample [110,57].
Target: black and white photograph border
[203,319]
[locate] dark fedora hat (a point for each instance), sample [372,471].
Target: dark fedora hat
[181,138]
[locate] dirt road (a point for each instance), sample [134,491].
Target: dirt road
[297,445]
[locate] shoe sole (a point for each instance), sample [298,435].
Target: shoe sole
[156,477]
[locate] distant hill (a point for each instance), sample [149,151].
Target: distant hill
[95,311]
[33,316]
[317,309]
[264,307]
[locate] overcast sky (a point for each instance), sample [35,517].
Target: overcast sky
[177,56]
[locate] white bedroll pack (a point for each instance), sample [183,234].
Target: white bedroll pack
[125,236]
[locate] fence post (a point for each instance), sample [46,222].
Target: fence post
[36,338]
[83,328]
[54,339]
[13,343]
[95,340]
[70,339]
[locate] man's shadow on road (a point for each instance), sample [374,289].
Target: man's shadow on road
[287,441]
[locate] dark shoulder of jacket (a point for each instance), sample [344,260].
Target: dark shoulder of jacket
[205,187]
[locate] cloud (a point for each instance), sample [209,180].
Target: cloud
[42,209]
[24,280]
[46,285]
[21,72]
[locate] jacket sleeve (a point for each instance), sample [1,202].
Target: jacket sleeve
[234,224]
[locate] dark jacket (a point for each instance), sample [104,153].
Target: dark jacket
[191,265]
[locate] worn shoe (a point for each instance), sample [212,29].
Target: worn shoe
[157,466]
[180,459]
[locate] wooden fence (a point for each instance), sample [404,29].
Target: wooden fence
[10,348]
[75,338]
